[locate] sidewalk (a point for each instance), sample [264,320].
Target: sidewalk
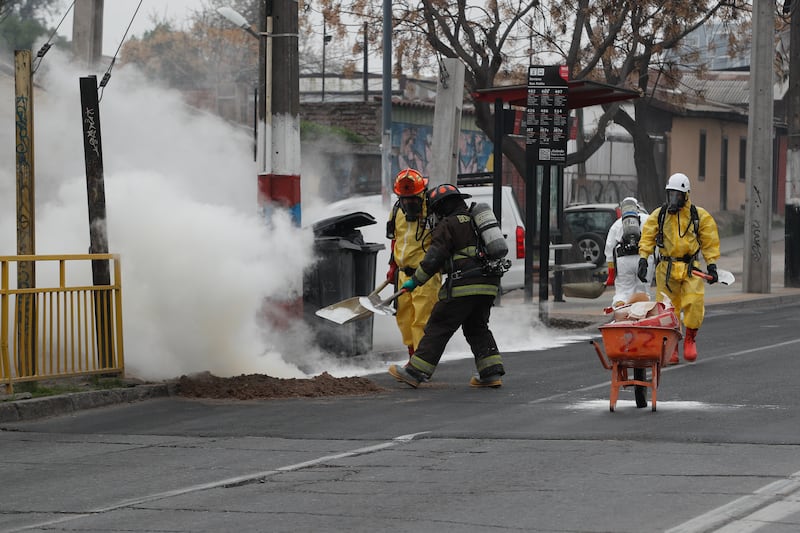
[718,296]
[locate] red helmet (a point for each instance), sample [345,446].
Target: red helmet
[409,182]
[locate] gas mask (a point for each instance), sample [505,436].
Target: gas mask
[412,207]
[675,200]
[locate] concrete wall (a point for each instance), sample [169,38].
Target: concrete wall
[683,155]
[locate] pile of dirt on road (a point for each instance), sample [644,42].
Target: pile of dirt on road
[259,386]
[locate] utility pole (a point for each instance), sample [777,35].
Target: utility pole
[447,121]
[26,213]
[758,211]
[87,31]
[792,236]
[96,201]
[386,105]
[366,65]
[280,182]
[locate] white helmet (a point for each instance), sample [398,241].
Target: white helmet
[678,182]
[630,200]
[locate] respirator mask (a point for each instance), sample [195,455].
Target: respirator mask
[675,200]
[412,207]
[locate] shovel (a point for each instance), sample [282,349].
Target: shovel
[349,310]
[725,277]
[374,303]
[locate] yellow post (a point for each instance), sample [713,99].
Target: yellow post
[5,363]
[26,234]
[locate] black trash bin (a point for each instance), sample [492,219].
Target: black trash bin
[345,267]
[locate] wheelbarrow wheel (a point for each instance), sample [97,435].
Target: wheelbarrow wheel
[640,391]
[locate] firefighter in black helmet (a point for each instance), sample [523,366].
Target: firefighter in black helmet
[465,299]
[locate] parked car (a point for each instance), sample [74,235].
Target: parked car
[586,227]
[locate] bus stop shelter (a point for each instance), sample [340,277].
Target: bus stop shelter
[579,94]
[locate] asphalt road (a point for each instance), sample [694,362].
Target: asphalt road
[543,453]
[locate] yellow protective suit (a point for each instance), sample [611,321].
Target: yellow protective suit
[414,308]
[685,291]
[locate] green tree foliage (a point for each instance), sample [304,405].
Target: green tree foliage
[24,22]
[210,51]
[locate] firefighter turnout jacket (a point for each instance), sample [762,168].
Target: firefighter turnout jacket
[454,251]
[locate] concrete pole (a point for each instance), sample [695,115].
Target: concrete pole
[447,122]
[758,210]
[87,31]
[279,183]
[386,106]
[792,237]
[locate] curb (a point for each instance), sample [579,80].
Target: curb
[17,411]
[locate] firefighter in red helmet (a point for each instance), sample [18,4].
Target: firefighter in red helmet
[465,299]
[407,229]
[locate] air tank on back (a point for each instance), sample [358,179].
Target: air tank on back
[489,231]
[630,222]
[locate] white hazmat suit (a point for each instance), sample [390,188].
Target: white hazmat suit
[625,282]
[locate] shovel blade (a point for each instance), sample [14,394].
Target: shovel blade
[344,312]
[378,307]
[725,277]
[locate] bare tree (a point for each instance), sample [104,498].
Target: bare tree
[619,42]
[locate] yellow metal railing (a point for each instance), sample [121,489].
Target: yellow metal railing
[65,326]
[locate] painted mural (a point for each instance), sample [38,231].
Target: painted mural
[412,148]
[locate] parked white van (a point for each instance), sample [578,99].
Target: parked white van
[512,226]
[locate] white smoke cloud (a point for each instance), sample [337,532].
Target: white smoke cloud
[198,263]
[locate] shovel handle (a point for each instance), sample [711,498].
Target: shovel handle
[393,296]
[701,274]
[380,287]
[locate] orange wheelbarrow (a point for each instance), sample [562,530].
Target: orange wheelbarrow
[637,347]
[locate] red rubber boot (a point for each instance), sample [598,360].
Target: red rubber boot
[689,345]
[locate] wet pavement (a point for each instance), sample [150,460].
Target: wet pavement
[583,313]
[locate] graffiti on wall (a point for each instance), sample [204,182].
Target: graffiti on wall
[413,145]
[592,191]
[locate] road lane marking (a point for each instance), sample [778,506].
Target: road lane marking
[685,405]
[226,483]
[742,514]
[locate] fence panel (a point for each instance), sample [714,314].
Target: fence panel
[63,326]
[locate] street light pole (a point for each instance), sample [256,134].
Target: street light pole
[325,40]
[279,166]
[283,178]
[279,106]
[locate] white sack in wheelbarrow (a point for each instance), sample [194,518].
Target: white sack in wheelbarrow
[656,314]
